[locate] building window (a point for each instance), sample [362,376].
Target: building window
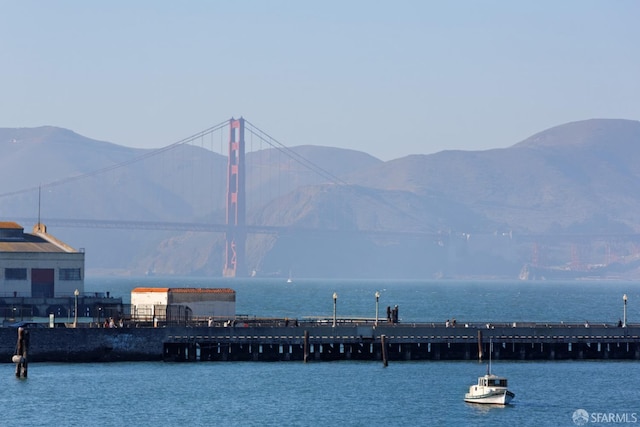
[15,274]
[69,274]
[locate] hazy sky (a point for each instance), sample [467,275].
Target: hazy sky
[390,78]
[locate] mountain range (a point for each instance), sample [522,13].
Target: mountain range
[560,204]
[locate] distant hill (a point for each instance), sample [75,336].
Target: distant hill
[561,203]
[578,173]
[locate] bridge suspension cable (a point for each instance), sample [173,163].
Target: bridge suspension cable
[304,162]
[252,129]
[296,157]
[109,168]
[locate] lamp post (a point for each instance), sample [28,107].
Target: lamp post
[75,312]
[624,312]
[377,300]
[335,300]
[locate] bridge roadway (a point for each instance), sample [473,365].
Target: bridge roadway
[281,230]
[414,341]
[218,228]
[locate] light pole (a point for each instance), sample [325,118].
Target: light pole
[75,312]
[377,299]
[335,300]
[624,312]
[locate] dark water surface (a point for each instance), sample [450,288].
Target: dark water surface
[313,394]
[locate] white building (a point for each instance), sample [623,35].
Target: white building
[147,303]
[37,264]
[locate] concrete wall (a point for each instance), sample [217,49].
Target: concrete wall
[86,344]
[149,299]
[202,304]
[44,260]
[217,309]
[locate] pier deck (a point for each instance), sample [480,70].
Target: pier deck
[313,341]
[404,342]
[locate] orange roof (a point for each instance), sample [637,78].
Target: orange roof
[203,290]
[187,290]
[150,290]
[10,224]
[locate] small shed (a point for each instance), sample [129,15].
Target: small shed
[203,302]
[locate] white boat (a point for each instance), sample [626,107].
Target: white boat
[290,279]
[491,389]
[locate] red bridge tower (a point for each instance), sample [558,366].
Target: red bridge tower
[236,233]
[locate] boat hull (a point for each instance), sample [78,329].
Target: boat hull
[495,397]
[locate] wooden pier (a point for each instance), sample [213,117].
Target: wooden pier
[309,342]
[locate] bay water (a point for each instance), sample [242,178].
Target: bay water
[347,393]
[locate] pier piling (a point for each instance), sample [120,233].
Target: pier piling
[306,346]
[383,344]
[22,348]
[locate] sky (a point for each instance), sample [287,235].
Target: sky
[390,78]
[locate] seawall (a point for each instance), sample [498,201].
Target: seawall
[312,342]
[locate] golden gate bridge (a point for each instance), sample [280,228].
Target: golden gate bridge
[235,226]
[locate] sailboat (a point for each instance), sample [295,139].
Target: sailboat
[290,278]
[491,389]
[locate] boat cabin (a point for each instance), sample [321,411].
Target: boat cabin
[492,381]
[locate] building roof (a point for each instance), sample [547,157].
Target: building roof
[28,243]
[10,225]
[13,239]
[42,247]
[140,290]
[186,290]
